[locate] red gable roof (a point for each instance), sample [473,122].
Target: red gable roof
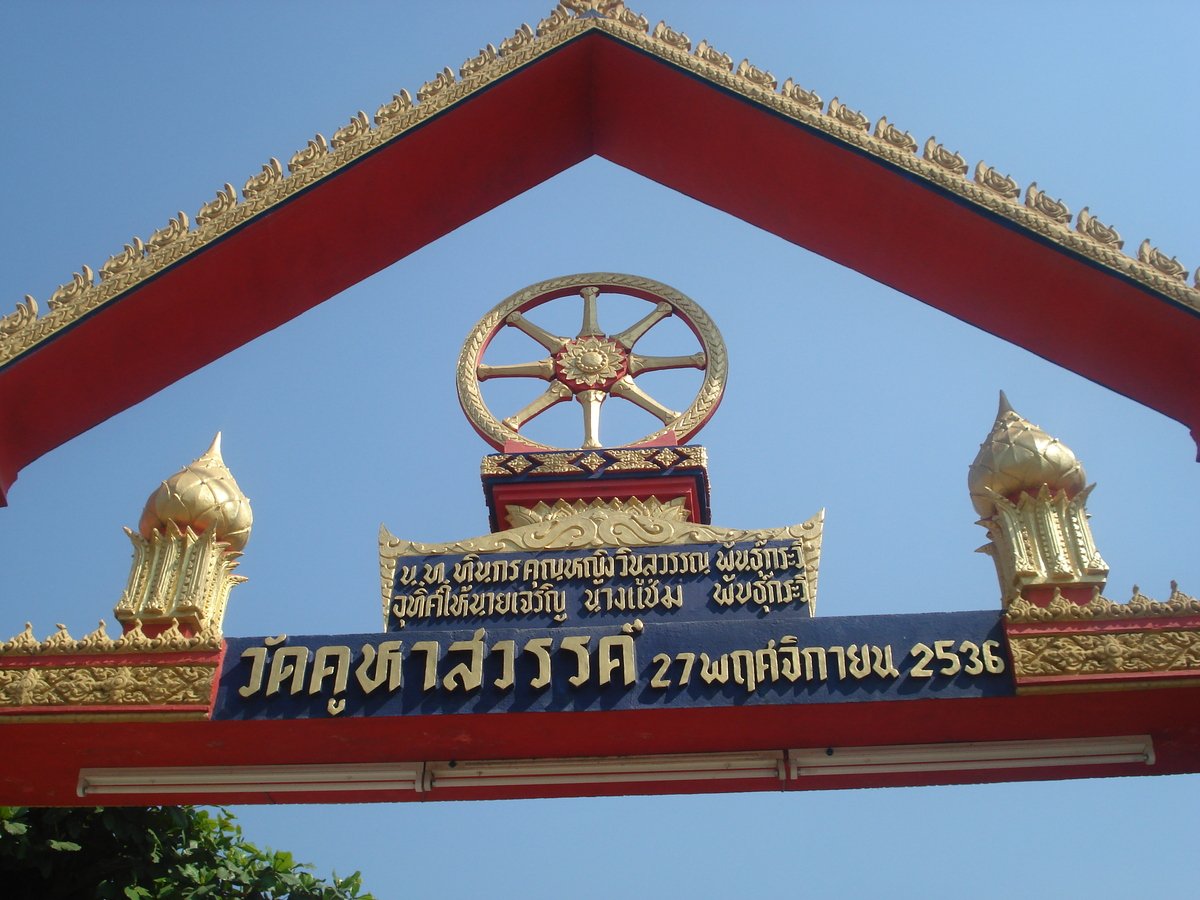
[814,175]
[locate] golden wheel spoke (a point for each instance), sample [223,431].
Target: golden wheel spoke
[633,333]
[639,364]
[590,401]
[542,368]
[627,390]
[557,392]
[591,321]
[551,342]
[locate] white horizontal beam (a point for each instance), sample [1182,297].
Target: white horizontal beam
[971,756]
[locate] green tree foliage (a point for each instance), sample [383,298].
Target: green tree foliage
[160,853]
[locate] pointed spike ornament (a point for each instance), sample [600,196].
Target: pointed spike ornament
[1030,493]
[200,496]
[192,531]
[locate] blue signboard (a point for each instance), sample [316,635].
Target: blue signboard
[638,664]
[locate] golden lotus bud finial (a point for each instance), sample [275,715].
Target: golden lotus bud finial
[201,496]
[1018,456]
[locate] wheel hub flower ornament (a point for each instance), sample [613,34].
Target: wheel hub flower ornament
[592,366]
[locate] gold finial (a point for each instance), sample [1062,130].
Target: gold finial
[200,496]
[1018,456]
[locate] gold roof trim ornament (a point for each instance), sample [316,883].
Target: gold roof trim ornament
[20,332]
[674,510]
[1101,609]
[1030,493]
[591,366]
[603,529]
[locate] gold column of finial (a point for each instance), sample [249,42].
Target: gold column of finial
[1030,492]
[192,532]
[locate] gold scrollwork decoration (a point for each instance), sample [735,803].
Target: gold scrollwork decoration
[1041,202]
[479,62]
[714,57]
[70,293]
[522,37]
[358,128]
[943,158]
[394,108]
[1060,609]
[103,685]
[672,38]
[847,116]
[170,640]
[805,99]
[1105,654]
[553,22]
[628,18]
[1039,214]
[1000,185]
[1168,265]
[175,229]
[309,155]
[26,314]
[1089,226]
[271,175]
[579,7]
[125,261]
[225,200]
[675,510]
[436,85]
[758,76]
[890,134]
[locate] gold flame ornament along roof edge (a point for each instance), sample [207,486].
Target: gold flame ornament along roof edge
[1049,218]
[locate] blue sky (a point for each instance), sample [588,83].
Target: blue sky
[843,394]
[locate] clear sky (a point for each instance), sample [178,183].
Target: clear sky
[843,394]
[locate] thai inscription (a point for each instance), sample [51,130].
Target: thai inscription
[683,583]
[605,666]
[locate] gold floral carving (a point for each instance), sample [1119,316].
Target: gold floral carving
[172,640]
[1000,185]
[672,38]
[170,233]
[674,510]
[556,21]
[1169,266]
[309,155]
[807,100]
[713,56]
[629,18]
[1054,210]
[602,528]
[579,7]
[478,63]
[430,89]
[1105,654]
[847,116]
[395,108]
[71,293]
[757,76]
[554,464]
[1095,229]
[101,685]
[27,311]
[637,459]
[592,461]
[225,200]
[1060,609]
[940,156]
[358,128]
[889,133]
[1039,214]
[124,261]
